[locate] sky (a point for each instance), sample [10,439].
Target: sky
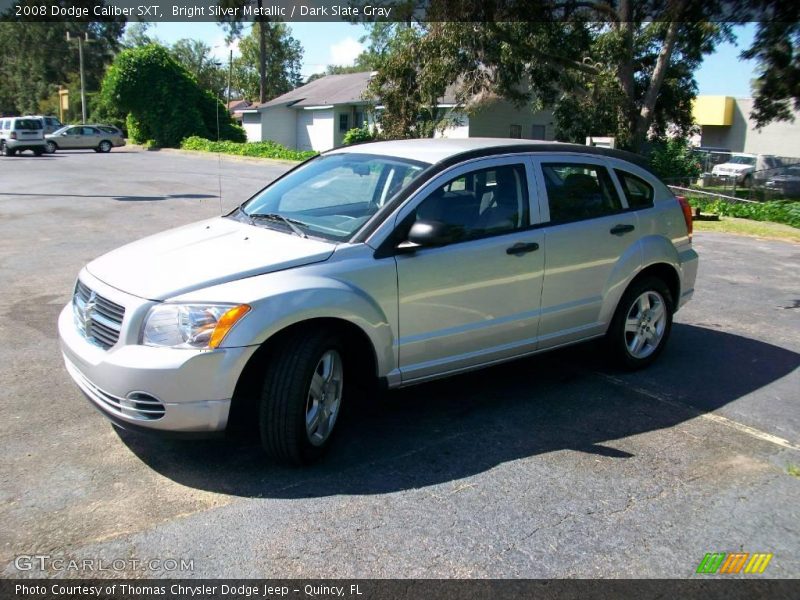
[337,43]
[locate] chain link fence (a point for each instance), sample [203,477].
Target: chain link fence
[740,177]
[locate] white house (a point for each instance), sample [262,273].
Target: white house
[317,115]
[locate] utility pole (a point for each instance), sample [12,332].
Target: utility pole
[83,76]
[230,77]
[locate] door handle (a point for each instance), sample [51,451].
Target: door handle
[621,229]
[522,248]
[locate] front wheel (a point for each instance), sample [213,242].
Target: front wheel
[51,147]
[302,397]
[5,150]
[38,151]
[642,323]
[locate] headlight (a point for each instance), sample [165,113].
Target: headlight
[190,325]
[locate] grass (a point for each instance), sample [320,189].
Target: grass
[778,211]
[793,470]
[762,229]
[266,149]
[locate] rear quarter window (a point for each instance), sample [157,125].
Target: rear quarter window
[637,191]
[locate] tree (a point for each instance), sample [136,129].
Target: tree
[162,100]
[38,60]
[195,56]
[603,66]
[136,35]
[282,67]
[408,85]
[776,48]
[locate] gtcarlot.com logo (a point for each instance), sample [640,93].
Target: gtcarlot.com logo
[735,562]
[45,562]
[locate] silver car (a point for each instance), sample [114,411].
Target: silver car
[391,262]
[100,138]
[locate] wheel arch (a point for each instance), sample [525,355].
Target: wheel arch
[246,395]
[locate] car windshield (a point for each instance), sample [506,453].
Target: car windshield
[334,195]
[61,130]
[29,124]
[743,160]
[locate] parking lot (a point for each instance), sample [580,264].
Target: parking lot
[556,466]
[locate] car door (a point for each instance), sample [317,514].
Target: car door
[474,300]
[591,243]
[71,138]
[90,137]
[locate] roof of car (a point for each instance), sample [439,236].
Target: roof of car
[437,150]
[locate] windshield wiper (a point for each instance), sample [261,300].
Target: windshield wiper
[291,223]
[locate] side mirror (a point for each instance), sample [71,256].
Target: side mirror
[427,234]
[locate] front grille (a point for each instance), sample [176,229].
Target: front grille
[97,318]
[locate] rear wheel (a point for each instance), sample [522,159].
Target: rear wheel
[642,323]
[302,397]
[105,146]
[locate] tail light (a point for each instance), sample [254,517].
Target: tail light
[687,213]
[13,135]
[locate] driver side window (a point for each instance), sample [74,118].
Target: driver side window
[480,203]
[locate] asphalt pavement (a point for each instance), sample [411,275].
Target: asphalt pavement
[555,466]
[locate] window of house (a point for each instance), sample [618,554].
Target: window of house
[344,122]
[359,119]
[480,203]
[515,132]
[638,192]
[577,191]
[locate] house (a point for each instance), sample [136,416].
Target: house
[725,123]
[317,115]
[235,108]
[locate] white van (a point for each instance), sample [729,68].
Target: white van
[18,134]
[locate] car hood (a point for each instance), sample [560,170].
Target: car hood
[201,255]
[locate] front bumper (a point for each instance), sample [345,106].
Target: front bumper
[162,389]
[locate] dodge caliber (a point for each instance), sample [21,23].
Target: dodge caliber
[389,262]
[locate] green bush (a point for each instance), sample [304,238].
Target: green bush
[777,211]
[672,160]
[358,135]
[266,149]
[163,99]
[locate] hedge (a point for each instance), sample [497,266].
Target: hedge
[266,149]
[776,211]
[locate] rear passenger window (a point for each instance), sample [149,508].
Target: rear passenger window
[481,203]
[637,191]
[578,191]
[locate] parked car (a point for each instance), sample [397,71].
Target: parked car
[18,134]
[397,262]
[90,137]
[746,169]
[785,182]
[51,124]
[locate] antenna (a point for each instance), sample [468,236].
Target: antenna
[219,159]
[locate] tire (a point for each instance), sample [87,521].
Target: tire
[51,147]
[6,151]
[297,420]
[747,181]
[38,151]
[640,329]
[104,146]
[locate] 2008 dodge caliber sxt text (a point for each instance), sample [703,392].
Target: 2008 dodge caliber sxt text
[402,261]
